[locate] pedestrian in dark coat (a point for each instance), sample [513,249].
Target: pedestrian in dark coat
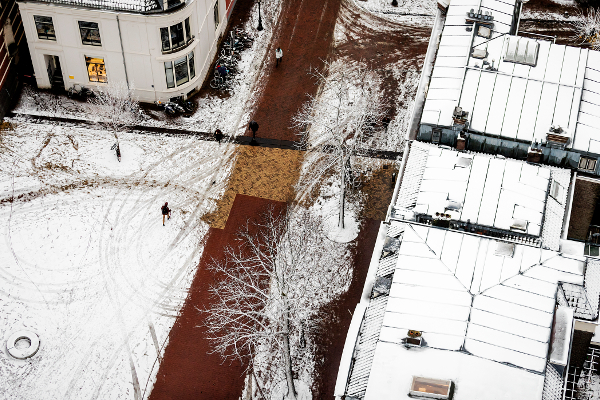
[253,127]
[218,135]
[166,212]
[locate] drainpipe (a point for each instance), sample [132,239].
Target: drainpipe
[122,52]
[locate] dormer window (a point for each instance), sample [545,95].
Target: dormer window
[176,37]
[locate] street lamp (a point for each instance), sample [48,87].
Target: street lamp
[259,27]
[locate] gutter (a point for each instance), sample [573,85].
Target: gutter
[398,181]
[122,52]
[565,228]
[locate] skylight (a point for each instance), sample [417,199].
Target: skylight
[522,50]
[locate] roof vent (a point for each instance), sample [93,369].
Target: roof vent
[522,50]
[519,225]
[463,162]
[453,205]
[504,249]
[431,388]
[413,339]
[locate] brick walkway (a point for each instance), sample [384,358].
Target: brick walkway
[305,35]
[188,370]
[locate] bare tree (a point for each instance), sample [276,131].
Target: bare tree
[587,28]
[341,120]
[114,107]
[270,288]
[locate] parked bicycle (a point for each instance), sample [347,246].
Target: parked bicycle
[226,66]
[79,92]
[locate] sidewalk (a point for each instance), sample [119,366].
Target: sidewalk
[188,370]
[305,36]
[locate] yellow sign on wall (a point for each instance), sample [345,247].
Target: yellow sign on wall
[71,77]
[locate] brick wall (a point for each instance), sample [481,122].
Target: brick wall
[585,198]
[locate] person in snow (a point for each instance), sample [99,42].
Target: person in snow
[278,56]
[222,71]
[118,152]
[218,135]
[253,127]
[166,212]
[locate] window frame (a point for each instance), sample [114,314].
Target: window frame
[216,15]
[585,162]
[171,71]
[87,67]
[186,32]
[36,22]
[89,29]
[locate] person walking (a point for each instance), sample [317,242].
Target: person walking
[253,127]
[218,135]
[166,212]
[278,56]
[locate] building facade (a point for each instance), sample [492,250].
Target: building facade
[12,38]
[161,49]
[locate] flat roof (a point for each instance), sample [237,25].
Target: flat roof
[514,100]
[475,378]
[485,190]
[465,293]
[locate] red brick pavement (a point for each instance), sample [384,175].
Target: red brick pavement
[188,370]
[305,35]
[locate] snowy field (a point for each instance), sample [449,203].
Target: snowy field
[86,261]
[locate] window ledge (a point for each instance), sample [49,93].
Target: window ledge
[180,52]
[178,49]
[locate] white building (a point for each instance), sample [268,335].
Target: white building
[163,49]
[472,293]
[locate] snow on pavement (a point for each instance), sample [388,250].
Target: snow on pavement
[86,262]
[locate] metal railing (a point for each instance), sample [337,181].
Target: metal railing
[140,6]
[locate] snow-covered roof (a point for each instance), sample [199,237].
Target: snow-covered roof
[484,190]
[548,85]
[462,294]
[139,6]
[453,53]
[475,378]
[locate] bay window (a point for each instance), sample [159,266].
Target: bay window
[176,36]
[180,71]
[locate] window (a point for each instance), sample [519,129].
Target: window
[169,73]
[431,388]
[96,69]
[216,14]
[587,164]
[44,27]
[180,71]
[90,33]
[175,36]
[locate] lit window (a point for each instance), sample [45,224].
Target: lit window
[431,388]
[90,33]
[587,164]
[175,36]
[180,71]
[44,27]
[216,14]
[96,69]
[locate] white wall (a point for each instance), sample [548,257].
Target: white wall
[141,45]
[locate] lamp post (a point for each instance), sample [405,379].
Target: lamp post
[259,27]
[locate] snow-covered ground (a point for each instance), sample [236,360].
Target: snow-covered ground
[230,113]
[86,262]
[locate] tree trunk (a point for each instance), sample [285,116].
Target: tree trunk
[287,357]
[342,193]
